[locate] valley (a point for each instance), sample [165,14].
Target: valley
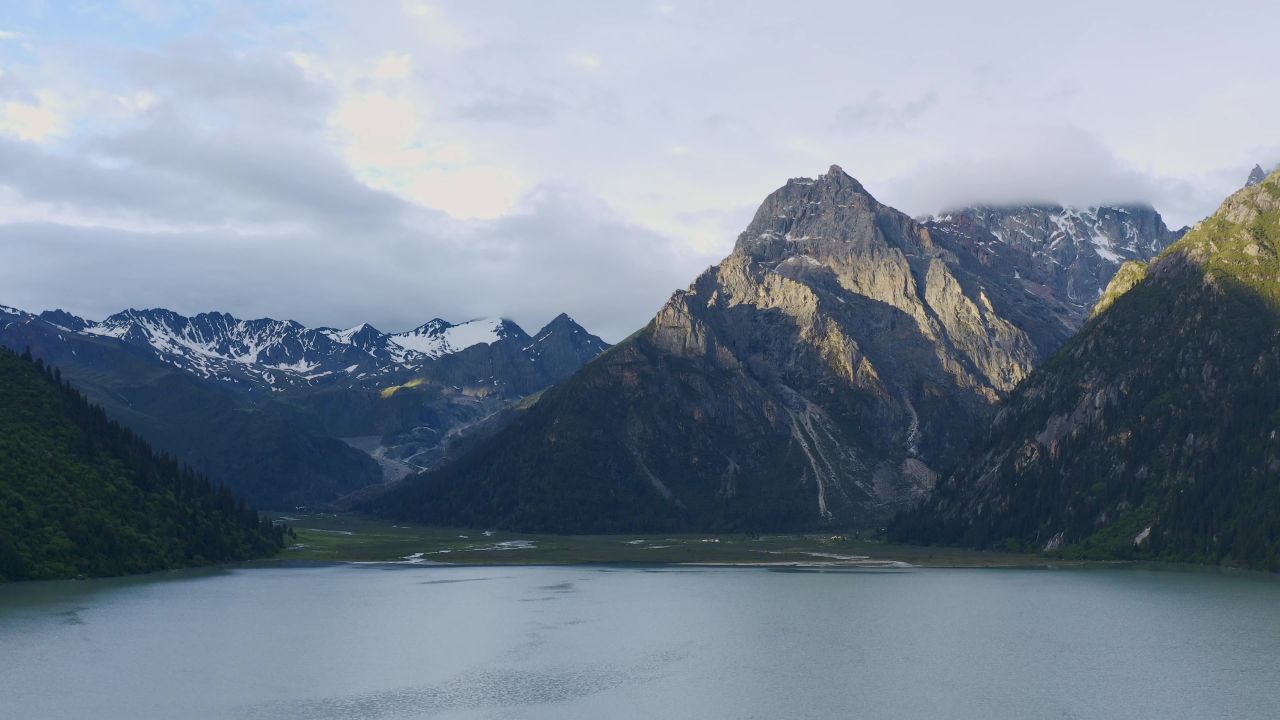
[350,537]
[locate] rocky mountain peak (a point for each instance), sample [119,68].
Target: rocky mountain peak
[364,336]
[561,322]
[431,328]
[64,319]
[832,209]
[505,328]
[1256,176]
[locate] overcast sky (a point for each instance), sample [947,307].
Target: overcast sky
[393,161]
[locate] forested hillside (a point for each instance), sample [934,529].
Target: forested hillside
[82,495]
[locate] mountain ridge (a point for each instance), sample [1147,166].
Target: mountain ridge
[1154,432]
[1067,253]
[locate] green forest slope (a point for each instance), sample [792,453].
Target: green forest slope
[81,495]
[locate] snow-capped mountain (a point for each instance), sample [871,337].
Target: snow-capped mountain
[286,414]
[1069,254]
[438,337]
[282,353]
[276,353]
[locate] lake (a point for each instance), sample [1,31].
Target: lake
[387,641]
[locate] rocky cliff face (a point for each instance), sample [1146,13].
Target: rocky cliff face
[818,375]
[1064,255]
[1155,431]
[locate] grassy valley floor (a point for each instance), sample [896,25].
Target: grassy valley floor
[349,537]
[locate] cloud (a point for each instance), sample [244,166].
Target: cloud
[560,252]
[392,161]
[1060,164]
[434,26]
[393,66]
[31,120]
[520,108]
[171,173]
[379,128]
[586,61]
[874,112]
[226,190]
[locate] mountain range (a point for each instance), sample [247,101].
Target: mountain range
[822,374]
[1078,381]
[286,414]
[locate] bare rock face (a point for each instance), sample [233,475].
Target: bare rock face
[1064,255]
[820,374]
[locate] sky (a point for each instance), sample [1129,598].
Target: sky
[392,162]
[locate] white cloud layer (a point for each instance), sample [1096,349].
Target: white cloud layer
[391,162]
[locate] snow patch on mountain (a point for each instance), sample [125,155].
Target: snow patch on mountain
[269,351]
[439,337]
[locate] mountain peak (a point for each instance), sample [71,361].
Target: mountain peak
[564,325]
[1256,176]
[839,178]
[562,319]
[834,177]
[830,206]
[63,319]
[504,328]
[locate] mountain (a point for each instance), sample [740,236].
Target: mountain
[1256,176]
[409,419]
[288,415]
[81,495]
[1154,433]
[273,354]
[1065,255]
[817,376]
